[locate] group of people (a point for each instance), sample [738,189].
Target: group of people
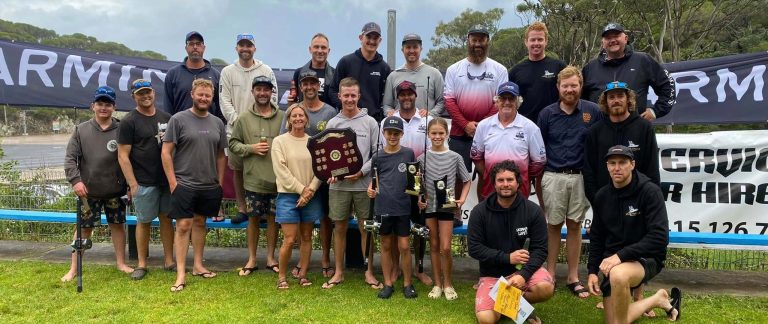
[581,137]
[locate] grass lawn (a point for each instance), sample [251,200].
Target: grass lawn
[31,292]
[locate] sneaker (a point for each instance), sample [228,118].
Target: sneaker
[239,218]
[436,292]
[386,292]
[450,293]
[409,292]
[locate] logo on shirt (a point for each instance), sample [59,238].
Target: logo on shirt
[520,135]
[376,73]
[321,125]
[522,231]
[632,146]
[548,75]
[401,168]
[112,145]
[632,211]
[586,117]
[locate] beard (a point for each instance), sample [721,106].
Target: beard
[617,110]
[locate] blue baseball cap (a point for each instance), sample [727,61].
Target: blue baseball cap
[510,88]
[105,93]
[393,122]
[616,85]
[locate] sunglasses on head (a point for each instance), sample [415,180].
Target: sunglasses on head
[244,36]
[616,85]
[105,91]
[142,84]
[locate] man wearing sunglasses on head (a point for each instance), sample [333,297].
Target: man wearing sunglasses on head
[470,85]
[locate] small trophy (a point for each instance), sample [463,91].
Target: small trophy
[444,197]
[414,180]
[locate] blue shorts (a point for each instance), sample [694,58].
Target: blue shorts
[148,202]
[288,213]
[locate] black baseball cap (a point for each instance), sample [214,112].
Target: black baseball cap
[393,122]
[612,26]
[262,79]
[478,29]
[309,74]
[105,93]
[411,37]
[371,27]
[194,34]
[619,150]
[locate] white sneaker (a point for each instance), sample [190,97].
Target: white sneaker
[436,292]
[450,293]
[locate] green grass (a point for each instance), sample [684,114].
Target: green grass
[31,292]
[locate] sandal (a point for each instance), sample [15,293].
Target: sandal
[677,298]
[178,288]
[245,271]
[304,282]
[330,284]
[282,284]
[274,267]
[577,292]
[329,272]
[450,293]
[239,218]
[375,285]
[436,292]
[205,275]
[218,218]
[295,272]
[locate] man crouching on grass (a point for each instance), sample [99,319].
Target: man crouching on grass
[498,229]
[628,241]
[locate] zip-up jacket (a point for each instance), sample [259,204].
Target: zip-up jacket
[630,222]
[372,76]
[91,158]
[329,75]
[495,232]
[639,71]
[178,86]
[635,133]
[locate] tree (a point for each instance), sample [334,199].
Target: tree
[449,40]
[218,61]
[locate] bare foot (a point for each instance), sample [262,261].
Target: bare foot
[125,268]
[599,305]
[424,278]
[69,276]
[650,314]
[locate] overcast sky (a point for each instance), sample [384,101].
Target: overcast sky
[283,28]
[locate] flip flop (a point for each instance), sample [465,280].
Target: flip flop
[245,271]
[139,273]
[178,288]
[330,284]
[205,275]
[576,292]
[375,285]
[218,218]
[282,284]
[239,218]
[677,299]
[274,267]
[295,272]
[304,282]
[329,272]
[170,268]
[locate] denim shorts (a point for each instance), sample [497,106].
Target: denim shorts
[148,202]
[288,213]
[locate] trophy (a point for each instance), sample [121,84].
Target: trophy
[335,153]
[444,196]
[414,180]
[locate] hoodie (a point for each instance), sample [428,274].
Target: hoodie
[432,101]
[635,133]
[630,222]
[372,76]
[367,131]
[178,86]
[235,94]
[495,232]
[91,158]
[249,128]
[639,71]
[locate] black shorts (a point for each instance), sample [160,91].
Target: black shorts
[651,267]
[322,193]
[90,215]
[441,216]
[398,225]
[262,204]
[187,202]
[462,145]
[416,215]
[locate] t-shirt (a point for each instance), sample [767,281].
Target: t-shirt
[145,135]
[317,120]
[538,84]
[448,164]
[198,141]
[392,199]
[469,91]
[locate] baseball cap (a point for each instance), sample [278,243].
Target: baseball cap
[393,122]
[404,86]
[371,27]
[192,34]
[411,37]
[104,93]
[508,87]
[616,85]
[612,26]
[140,84]
[245,37]
[478,29]
[261,79]
[309,74]
[619,150]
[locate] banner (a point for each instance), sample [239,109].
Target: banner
[45,76]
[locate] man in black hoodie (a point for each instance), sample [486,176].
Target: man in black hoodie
[367,66]
[618,61]
[621,126]
[628,241]
[498,229]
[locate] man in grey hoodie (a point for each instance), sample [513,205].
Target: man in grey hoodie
[425,77]
[235,97]
[91,167]
[350,192]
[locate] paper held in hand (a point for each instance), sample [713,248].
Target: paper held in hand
[510,301]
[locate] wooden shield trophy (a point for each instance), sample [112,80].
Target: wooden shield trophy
[335,153]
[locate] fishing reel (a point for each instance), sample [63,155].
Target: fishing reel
[420,230]
[371,225]
[81,245]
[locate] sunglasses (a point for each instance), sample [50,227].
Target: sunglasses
[480,77]
[616,85]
